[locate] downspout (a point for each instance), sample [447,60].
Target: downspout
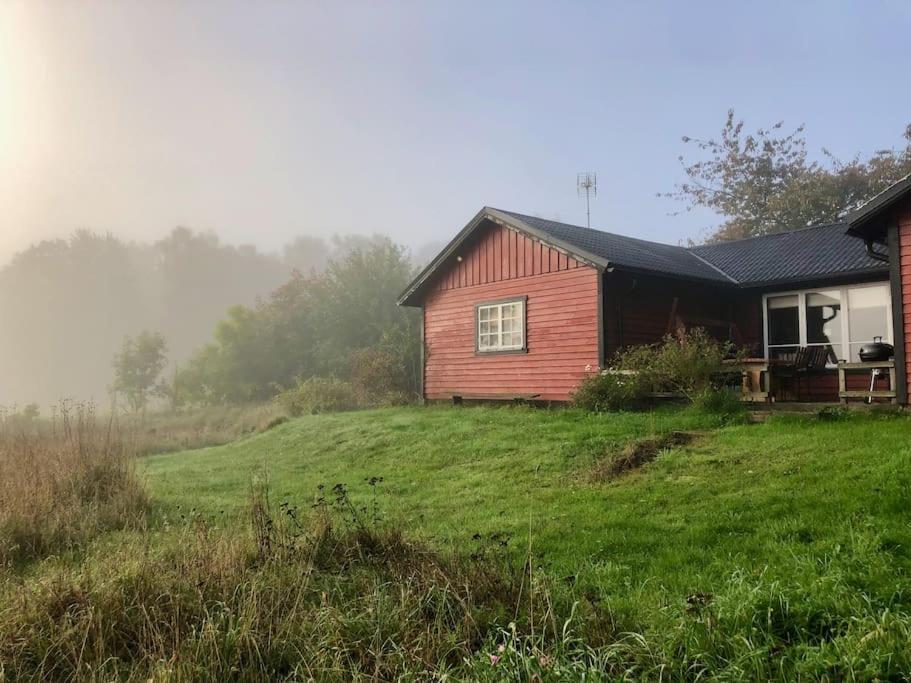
[876,255]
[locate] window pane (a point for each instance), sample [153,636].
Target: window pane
[868,313]
[784,320]
[824,319]
[501,326]
[868,316]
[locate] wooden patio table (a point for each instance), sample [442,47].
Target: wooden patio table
[887,365]
[756,382]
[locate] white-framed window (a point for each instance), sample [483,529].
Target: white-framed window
[501,326]
[840,318]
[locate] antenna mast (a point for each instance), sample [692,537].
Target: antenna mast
[587,186]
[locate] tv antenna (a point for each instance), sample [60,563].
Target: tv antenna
[587,186]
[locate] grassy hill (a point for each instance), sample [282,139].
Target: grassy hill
[782,547]
[745,496]
[490,544]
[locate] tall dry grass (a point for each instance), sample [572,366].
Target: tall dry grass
[299,596]
[198,427]
[63,482]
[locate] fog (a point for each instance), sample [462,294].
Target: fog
[66,305]
[281,125]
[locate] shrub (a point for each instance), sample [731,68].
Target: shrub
[382,376]
[607,391]
[689,364]
[321,395]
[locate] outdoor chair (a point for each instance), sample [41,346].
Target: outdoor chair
[809,361]
[815,364]
[787,374]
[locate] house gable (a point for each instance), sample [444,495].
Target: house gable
[562,312]
[496,253]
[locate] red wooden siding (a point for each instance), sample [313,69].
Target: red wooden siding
[499,254]
[904,248]
[561,320]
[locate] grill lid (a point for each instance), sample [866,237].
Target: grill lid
[876,351]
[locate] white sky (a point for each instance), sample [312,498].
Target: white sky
[262,120]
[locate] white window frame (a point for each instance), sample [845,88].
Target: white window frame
[498,306]
[842,290]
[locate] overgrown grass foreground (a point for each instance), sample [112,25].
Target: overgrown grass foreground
[63,484]
[489,544]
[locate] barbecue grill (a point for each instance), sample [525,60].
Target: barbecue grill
[874,352]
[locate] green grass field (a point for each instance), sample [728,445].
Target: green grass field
[779,549]
[740,497]
[773,551]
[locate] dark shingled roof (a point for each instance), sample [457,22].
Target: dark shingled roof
[627,252]
[806,254]
[816,253]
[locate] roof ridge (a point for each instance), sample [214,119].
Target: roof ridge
[819,226]
[713,266]
[597,230]
[743,263]
[677,246]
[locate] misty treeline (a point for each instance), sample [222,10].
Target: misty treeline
[340,324]
[66,307]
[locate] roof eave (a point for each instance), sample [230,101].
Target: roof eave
[818,278]
[860,221]
[727,283]
[408,297]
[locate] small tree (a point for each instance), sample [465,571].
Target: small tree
[137,367]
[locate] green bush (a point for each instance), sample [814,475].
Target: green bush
[608,391]
[691,366]
[321,395]
[688,365]
[383,375]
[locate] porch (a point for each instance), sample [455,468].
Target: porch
[803,345]
[808,379]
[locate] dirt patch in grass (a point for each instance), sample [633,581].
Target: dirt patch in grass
[636,454]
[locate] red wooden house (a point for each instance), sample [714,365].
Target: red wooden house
[521,306]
